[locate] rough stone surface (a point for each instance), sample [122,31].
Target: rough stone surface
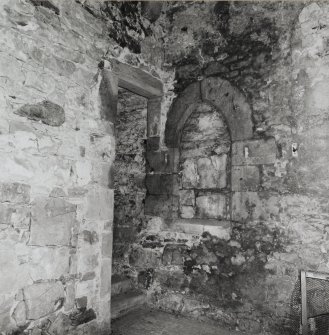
[255,152]
[205,173]
[129,174]
[42,299]
[245,178]
[232,104]
[212,206]
[258,70]
[46,111]
[15,192]
[51,139]
[52,222]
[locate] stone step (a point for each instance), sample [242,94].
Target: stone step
[123,303]
[120,284]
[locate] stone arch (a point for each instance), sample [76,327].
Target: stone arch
[219,93]
[248,153]
[164,178]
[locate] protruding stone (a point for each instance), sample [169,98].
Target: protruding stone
[46,111]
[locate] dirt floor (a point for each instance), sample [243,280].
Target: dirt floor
[151,322]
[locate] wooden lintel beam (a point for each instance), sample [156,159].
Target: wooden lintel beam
[136,80]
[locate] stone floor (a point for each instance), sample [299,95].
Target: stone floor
[150,322]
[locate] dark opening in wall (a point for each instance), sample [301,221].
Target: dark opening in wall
[129,170]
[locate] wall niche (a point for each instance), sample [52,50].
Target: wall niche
[204,165]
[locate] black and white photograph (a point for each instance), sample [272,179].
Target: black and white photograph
[164,167]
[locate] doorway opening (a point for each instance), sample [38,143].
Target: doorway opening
[129,174]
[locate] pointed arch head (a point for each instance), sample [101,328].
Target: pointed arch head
[218,93]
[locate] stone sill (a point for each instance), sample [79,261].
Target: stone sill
[218,228]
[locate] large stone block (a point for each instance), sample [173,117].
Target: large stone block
[254,152]
[211,206]
[46,111]
[100,204]
[15,192]
[52,222]
[245,178]
[42,299]
[205,172]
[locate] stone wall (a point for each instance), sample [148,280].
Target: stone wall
[56,153]
[270,61]
[261,66]
[57,150]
